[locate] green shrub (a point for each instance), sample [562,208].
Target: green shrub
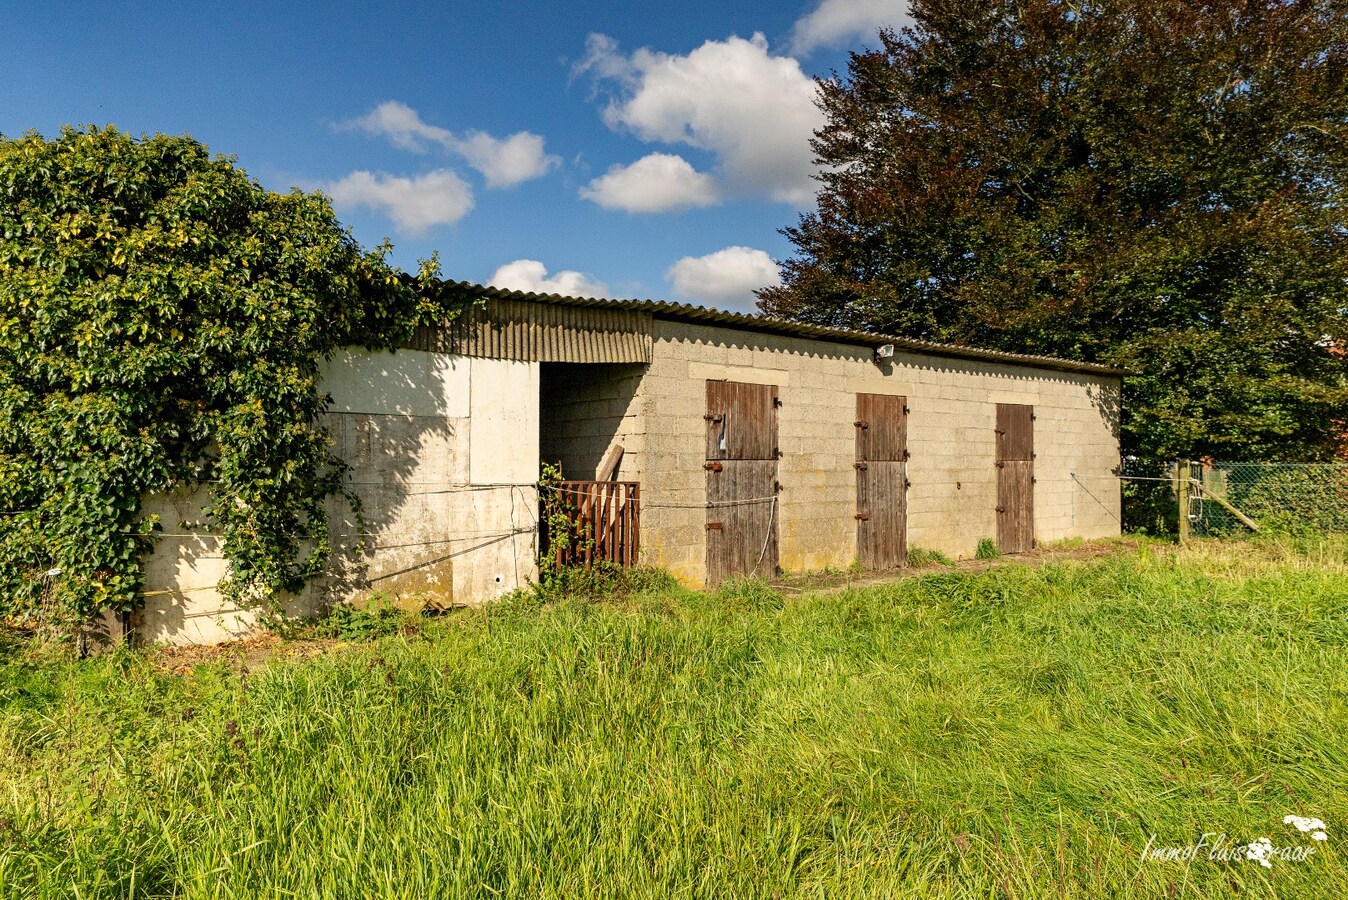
[921,558]
[987,549]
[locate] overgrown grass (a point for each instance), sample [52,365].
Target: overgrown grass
[922,558]
[1020,732]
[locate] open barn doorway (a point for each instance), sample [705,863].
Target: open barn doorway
[587,425]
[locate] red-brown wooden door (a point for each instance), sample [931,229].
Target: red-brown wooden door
[882,481]
[741,466]
[1015,478]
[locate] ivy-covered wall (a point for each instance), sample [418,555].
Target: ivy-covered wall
[439,529]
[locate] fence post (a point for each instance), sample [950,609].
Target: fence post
[1182,495]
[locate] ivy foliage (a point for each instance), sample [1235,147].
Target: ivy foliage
[162,322]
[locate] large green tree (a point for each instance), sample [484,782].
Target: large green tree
[162,319]
[1147,183]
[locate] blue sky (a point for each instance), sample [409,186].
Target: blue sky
[614,149]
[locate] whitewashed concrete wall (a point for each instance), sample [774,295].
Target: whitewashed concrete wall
[444,456]
[952,502]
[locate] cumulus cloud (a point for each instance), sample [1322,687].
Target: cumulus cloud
[833,22]
[754,111]
[531,276]
[402,125]
[658,182]
[727,277]
[503,162]
[414,204]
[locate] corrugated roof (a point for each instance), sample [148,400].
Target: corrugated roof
[687,312]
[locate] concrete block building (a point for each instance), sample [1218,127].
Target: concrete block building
[752,446]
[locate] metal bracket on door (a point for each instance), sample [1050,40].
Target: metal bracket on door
[861,424]
[861,465]
[713,526]
[862,517]
[713,466]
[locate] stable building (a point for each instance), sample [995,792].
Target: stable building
[710,443]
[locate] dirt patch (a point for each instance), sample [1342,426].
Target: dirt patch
[244,654]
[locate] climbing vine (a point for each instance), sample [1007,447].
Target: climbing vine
[163,318]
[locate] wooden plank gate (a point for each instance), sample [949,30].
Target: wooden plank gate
[1015,478]
[882,481]
[603,524]
[742,488]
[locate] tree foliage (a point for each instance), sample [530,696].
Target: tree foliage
[162,320]
[1145,183]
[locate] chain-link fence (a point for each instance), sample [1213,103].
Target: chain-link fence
[1226,497]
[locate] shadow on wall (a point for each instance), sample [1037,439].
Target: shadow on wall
[392,420]
[1108,401]
[582,411]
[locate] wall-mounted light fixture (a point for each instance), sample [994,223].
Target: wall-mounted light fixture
[884,351]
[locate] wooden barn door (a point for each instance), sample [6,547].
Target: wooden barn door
[1015,478]
[741,480]
[882,481]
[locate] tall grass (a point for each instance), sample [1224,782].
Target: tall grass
[1020,732]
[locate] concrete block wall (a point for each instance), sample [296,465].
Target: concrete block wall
[586,408]
[952,402]
[444,456]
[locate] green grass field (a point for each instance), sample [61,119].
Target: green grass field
[1022,732]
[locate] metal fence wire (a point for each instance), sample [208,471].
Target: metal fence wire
[1276,496]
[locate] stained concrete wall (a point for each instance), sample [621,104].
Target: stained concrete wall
[444,456]
[952,501]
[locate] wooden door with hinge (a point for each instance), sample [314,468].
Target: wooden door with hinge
[742,486]
[882,481]
[1015,478]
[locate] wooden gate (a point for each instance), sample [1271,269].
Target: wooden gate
[882,481]
[1015,478]
[741,480]
[602,524]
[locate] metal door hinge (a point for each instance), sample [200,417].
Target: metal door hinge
[906,455]
[710,417]
[905,410]
[862,517]
[1001,464]
[712,466]
[713,526]
[861,423]
[777,402]
[1001,509]
[907,484]
[861,465]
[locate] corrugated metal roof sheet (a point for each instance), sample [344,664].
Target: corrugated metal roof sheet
[527,330]
[543,307]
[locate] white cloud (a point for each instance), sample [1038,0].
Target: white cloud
[402,125]
[503,162]
[414,204]
[658,182]
[531,276]
[754,111]
[507,162]
[728,276]
[834,22]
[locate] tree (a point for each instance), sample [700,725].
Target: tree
[162,318]
[1144,183]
